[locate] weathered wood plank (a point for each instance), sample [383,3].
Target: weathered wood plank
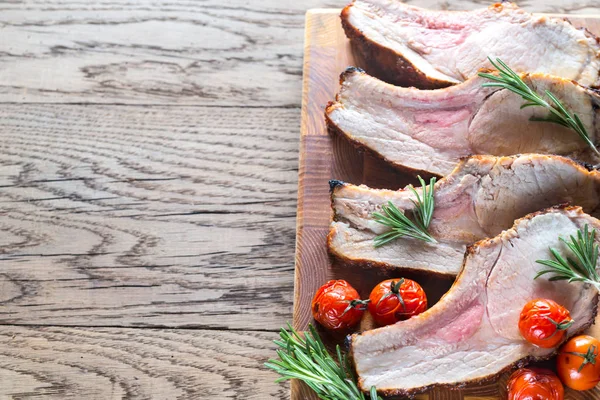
[97,363]
[177,52]
[151,215]
[147,216]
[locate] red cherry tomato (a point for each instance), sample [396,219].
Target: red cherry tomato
[534,384]
[337,306]
[395,300]
[577,363]
[544,322]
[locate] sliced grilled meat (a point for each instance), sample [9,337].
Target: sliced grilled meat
[430,130]
[411,46]
[472,333]
[479,199]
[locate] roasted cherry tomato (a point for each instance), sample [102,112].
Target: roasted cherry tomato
[534,384]
[337,305]
[395,300]
[577,364]
[543,322]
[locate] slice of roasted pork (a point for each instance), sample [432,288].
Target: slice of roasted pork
[479,199]
[430,130]
[472,333]
[411,46]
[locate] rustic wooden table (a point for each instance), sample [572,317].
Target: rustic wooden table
[148,177]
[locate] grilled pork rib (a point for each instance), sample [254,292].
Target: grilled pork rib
[430,130]
[411,46]
[472,333]
[479,199]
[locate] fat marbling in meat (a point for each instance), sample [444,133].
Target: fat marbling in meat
[411,46]
[430,130]
[471,334]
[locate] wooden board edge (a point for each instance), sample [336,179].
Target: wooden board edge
[311,16]
[299,389]
[301,160]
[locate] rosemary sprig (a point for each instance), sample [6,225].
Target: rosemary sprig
[509,79]
[307,359]
[580,269]
[401,225]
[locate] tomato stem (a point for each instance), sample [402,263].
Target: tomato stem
[358,304]
[588,358]
[394,290]
[562,326]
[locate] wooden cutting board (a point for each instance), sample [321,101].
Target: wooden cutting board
[322,157]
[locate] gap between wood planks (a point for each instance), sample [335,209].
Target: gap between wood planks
[153,327]
[107,363]
[148,216]
[49,103]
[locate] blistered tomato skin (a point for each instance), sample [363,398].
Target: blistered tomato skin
[534,384]
[578,364]
[544,322]
[337,306]
[396,300]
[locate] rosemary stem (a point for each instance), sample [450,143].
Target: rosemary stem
[400,224]
[579,264]
[306,358]
[558,112]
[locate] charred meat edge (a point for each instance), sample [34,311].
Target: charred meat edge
[381,266]
[364,263]
[387,65]
[384,62]
[518,364]
[333,129]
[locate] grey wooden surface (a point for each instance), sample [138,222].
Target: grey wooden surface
[148,177]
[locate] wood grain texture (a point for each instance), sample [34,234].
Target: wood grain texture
[177,52]
[322,157]
[147,216]
[158,215]
[108,363]
[148,52]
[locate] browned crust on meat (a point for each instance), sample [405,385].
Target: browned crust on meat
[579,164]
[586,168]
[367,264]
[592,36]
[333,129]
[364,263]
[471,249]
[483,380]
[335,185]
[519,363]
[385,63]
